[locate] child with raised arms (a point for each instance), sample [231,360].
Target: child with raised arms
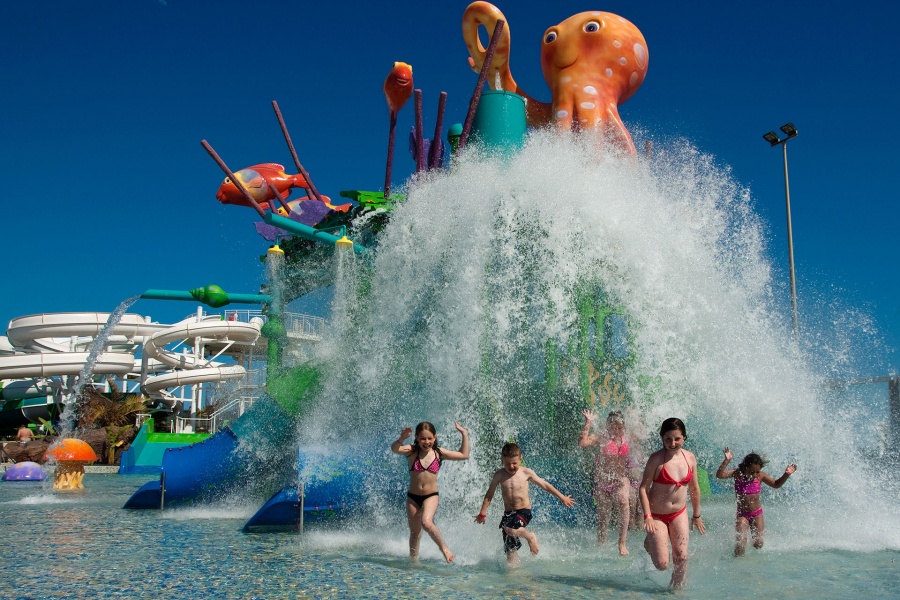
[611,484]
[748,477]
[425,458]
[513,480]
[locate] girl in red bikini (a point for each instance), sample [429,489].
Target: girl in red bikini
[748,478]
[669,474]
[425,459]
[611,483]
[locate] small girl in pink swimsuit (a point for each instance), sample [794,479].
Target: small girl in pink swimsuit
[748,478]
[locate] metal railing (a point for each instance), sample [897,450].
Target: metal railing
[305,326]
[191,425]
[244,315]
[211,424]
[295,324]
[230,412]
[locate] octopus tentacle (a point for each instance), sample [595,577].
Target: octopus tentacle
[485,14]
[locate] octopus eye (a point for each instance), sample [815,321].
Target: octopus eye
[592,27]
[550,37]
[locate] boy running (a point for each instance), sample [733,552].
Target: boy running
[513,480]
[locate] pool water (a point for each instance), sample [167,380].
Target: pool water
[84,545]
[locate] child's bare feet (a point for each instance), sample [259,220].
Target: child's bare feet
[623,550]
[449,556]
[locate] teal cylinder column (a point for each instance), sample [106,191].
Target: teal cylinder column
[500,120]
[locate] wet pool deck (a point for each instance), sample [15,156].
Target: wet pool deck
[87,469]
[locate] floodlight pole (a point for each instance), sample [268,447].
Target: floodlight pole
[790,236]
[774,141]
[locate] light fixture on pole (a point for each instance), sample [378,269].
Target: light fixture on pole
[791,132]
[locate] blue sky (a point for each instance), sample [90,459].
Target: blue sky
[103,105]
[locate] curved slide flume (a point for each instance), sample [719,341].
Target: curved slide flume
[249,458]
[57,344]
[194,370]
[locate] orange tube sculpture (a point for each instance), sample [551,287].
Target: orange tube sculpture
[70,455]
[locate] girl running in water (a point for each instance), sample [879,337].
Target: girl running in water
[611,483]
[425,459]
[748,478]
[669,474]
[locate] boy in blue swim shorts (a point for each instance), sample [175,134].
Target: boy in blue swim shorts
[513,480]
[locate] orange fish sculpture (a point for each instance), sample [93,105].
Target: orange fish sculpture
[593,62]
[267,183]
[398,87]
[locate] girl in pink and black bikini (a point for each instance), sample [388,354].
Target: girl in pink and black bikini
[669,474]
[425,459]
[611,484]
[748,480]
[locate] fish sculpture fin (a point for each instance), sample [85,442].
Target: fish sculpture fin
[272,166]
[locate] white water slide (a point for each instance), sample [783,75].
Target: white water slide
[58,344]
[194,369]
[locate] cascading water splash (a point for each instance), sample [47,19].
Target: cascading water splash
[69,417]
[476,298]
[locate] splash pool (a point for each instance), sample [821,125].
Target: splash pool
[83,545]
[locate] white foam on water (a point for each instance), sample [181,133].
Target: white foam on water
[40,499]
[217,512]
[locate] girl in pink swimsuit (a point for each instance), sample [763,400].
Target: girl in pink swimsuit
[611,483]
[748,479]
[669,474]
[425,459]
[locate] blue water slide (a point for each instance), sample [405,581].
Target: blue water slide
[252,458]
[332,484]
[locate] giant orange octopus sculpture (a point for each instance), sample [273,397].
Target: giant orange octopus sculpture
[593,62]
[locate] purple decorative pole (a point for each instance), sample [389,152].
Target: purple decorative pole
[482,77]
[390,156]
[420,142]
[300,169]
[250,200]
[434,155]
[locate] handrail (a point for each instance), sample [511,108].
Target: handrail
[295,324]
[243,403]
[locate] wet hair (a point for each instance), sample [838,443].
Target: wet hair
[752,459]
[615,416]
[510,450]
[671,424]
[426,426]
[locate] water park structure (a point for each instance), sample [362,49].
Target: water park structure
[554,324]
